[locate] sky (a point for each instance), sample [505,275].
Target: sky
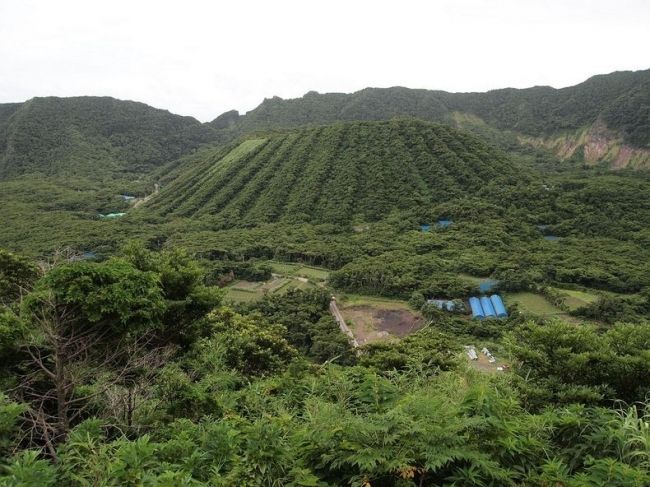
[202,58]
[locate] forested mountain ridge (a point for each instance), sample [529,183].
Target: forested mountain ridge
[93,137]
[604,119]
[619,102]
[340,173]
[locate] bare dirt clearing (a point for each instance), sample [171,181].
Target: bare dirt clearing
[371,323]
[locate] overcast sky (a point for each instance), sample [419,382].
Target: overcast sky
[202,58]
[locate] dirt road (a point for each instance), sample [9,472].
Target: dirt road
[344,328]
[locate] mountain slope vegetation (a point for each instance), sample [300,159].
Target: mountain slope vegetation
[191,340]
[336,174]
[619,100]
[93,137]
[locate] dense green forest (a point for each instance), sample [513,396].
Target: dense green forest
[126,357]
[92,137]
[108,139]
[621,99]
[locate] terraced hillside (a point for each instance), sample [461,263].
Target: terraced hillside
[336,174]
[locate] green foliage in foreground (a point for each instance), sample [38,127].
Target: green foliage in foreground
[352,427]
[269,395]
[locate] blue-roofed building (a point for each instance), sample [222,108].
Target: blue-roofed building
[425,227]
[477,309]
[444,223]
[488,309]
[499,307]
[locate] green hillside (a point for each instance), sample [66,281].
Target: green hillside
[337,174]
[98,138]
[620,99]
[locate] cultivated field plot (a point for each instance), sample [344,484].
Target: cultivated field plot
[247,291]
[242,296]
[310,272]
[374,320]
[535,304]
[577,299]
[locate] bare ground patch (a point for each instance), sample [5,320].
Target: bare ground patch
[372,324]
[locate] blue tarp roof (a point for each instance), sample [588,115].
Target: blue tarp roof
[487,307]
[499,307]
[477,309]
[444,223]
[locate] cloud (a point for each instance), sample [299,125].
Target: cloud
[201,58]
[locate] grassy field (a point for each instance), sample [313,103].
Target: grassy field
[359,299]
[242,296]
[577,299]
[284,268]
[288,269]
[478,281]
[534,304]
[313,273]
[247,291]
[472,279]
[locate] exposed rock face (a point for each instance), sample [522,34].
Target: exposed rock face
[598,145]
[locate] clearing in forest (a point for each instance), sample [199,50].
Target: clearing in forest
[483,364]
[374,320]
[290,269]
[577,299]
[248,291]
[535,304]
